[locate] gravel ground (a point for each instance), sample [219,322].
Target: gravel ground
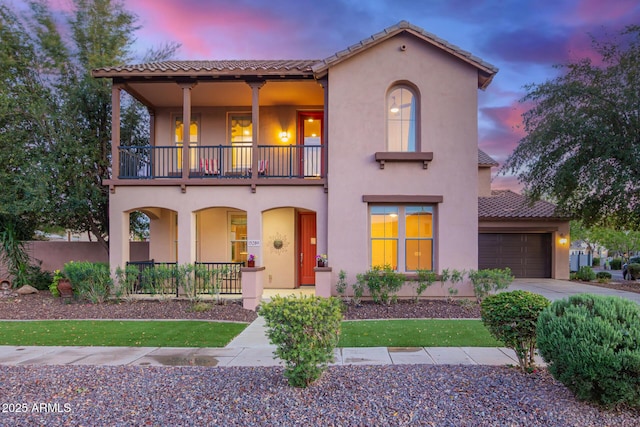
[345,396]
[44,306]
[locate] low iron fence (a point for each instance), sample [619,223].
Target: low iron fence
[200,278]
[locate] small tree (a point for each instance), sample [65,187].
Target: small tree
[424,279]
[490,280]
[305,331]
[511,317]
[341,286]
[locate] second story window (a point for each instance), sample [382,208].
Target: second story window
[241,131]
[194,138]
[402,104]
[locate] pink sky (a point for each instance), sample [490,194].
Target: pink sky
[523,39]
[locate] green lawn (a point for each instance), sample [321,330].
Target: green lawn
[146,333]
[150,333]
[416,333]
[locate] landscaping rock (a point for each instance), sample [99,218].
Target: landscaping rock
[26,290]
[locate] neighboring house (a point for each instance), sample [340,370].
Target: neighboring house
[369,156]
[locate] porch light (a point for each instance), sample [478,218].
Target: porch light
[284,136]
[563,239]
[394,107]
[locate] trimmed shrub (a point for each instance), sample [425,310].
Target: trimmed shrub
[384,283]
[591,344]
[511,317]
[91,281]
[596,262]
[424,279]
[586,274]
[127,280]
[490,280]
[616,264]
[603,276]
[633,271]
[305,331]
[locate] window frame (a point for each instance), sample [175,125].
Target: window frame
[401,237]
[412,122]
[195,118]
[242,151]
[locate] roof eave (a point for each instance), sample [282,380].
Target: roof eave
[486,71]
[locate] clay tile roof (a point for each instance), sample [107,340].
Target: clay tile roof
[486,71]
[485,160]
[505,204]
[259,67]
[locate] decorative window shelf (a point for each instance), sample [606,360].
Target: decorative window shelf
[422,157]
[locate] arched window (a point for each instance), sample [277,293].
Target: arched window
[402,104]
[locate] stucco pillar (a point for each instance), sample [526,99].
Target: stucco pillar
[323,281]
[115,131]
[186,126]
[118,240]
[186,237]
[252,286]
[255,123]
[254,235]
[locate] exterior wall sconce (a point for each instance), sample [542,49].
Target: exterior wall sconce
[284,136]
[563,240]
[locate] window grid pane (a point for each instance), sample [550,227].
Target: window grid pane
[401,120]
[419,254]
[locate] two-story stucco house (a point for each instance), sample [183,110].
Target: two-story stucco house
[369,156]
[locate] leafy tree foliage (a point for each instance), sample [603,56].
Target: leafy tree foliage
[582,148]
[55,119]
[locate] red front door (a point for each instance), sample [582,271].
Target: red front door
[307,248]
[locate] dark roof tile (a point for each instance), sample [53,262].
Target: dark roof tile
[505,204]
[485,160]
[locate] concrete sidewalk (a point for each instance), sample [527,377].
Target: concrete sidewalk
[249,348]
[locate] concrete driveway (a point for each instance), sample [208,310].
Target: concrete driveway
[554,289]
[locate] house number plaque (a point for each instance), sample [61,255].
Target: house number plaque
[253,243]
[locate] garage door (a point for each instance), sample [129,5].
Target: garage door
[527,255]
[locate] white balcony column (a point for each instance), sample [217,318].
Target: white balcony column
[115,130]
[186,126]
[255,123]
[186,237]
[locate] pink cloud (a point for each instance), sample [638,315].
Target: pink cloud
[204,29]
[600,12]
[504,131]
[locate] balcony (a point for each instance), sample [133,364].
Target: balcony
[223,162]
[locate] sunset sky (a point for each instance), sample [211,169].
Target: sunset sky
[524,39]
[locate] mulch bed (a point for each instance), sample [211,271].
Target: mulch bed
[43,306]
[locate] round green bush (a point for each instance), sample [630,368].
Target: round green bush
[586,274]
[591,344]
[305,331]
[603,275]
[616,264]
[634,271]
[511,317]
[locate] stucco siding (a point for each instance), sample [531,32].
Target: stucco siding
[448,127]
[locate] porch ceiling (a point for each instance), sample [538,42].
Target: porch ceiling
[227,94]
